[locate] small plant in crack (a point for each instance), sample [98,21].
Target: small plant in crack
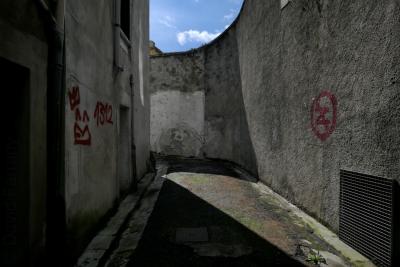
[315,258]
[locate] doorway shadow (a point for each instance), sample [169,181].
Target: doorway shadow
[223,240]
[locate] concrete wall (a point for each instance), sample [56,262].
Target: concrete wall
[177,104]
[23,43]
[196,103]
[227,135]
[104,149]
[140,69]
[319,81]
[287,58]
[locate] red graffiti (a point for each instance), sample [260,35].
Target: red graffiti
[103,113]
[82,137]
[85,116]
[324,115]
[78,116]
[74,97]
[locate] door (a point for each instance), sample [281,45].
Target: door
[14,181]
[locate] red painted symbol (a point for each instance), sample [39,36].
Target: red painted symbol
[74,97]
[82,136]
[78,116]
[324,115]
[103,113]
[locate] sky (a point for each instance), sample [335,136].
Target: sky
[180,25]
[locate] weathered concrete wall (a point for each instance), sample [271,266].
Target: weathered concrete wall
[227,136]
[287,58]
[23,43]
[320,87]
[196,103]
[177,104]
[140,69]
[91,184]
[104,147]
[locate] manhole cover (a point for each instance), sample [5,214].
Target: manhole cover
[188,235]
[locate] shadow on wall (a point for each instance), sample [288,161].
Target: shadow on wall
[226,128]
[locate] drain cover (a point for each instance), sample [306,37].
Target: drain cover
[188,235]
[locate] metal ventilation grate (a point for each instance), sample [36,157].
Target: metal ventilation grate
[367,215]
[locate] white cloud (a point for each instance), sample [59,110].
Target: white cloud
[168,21]
[196,36]
[230,15]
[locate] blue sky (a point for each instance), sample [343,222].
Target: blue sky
[179,25]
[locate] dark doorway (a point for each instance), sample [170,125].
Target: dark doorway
[14,182]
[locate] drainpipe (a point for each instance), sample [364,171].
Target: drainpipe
[133,146]
[56,223]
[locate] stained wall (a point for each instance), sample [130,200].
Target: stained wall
[106,112]
[308,89]
[197,108]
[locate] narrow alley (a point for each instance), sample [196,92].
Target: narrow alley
[200,133]
[197,212]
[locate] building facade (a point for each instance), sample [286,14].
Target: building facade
[78,139]
[106,107]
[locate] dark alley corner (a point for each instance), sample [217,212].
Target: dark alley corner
[275,142]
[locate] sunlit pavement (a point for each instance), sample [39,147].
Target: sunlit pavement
[211,213]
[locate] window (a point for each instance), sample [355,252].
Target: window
[126,17]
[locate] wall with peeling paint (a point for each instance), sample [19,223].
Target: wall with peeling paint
[105,148]
[319,86]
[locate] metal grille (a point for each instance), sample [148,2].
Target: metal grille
[367,215]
